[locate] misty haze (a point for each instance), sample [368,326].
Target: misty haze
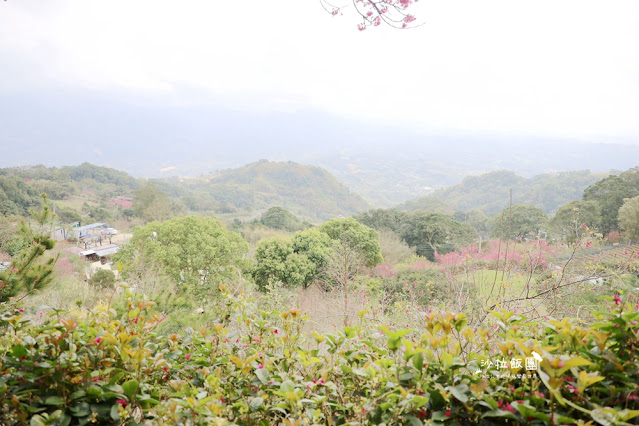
[390,212]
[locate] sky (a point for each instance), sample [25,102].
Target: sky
[544,69]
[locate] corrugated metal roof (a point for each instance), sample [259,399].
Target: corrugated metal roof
[91,226]
[106,251]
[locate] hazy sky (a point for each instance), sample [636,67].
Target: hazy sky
[558,69]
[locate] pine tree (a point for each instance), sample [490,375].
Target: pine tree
[32,269]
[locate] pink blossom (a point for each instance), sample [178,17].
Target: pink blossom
[409,18]
[187,356]
[617,299]
[98,340]
[260,366]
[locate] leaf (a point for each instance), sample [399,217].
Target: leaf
[18,351]
[459,392]
[625,414]
[603,416]
[573,362]
[81,410]
[447,360]
[54,400]
[546,379]
[346,369]
[255,403]
[287,386]
[37,420]
[413,421]
[130,388]
[116,378]
[115,412]
[385,406]
[500,413]
[262,374]
[77,395]
[418,361]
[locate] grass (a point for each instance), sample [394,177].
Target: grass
[67,293]
[507,285]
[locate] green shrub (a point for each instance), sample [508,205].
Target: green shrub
[253,367]
[102,278]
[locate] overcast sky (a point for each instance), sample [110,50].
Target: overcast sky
[557,69]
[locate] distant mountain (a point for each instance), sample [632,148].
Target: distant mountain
[307,191]
[385,164]
[490,192]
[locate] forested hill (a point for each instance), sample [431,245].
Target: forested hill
[490,192]
[20,187]
[245,192]
[307,191]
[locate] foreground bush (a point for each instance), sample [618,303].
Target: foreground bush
[253,367]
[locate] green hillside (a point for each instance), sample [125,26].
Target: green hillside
[490,192]
[307,191]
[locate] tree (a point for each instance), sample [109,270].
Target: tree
[519,222]
[150,203]
[316,246]
[381,219]
[277,261]
[375,12]
[68,215]
[279,218]
[355,236]
[394,249]
[31,270]
[342,266]
[568,221]
[195,252]
[629,218]
[103,279]
[432,233]
[610,194]
[294,262]
[478,220]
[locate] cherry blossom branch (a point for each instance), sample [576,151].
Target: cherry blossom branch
[374,12]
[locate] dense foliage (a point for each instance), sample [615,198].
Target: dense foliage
[629,217]
[194,251]
[609,194]
[432,233]
[32,267]
[254,367]
[304,190]
[490,192]
[279,218]
[520,221]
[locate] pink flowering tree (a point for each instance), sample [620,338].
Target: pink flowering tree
[375,12]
